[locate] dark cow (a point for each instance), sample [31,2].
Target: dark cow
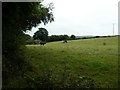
[65,41]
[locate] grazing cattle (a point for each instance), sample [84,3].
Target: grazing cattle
[65,41]
[42,43]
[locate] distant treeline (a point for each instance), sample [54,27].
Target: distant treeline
[91,37]
[60,37]
[52,38]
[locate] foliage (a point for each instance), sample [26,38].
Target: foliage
[42,43]
[30,41]
[19,17]
[80,63]
[25,15]
[46,82]
[27,37]
[57,38]
[72,37]
[66,37]
[41,34]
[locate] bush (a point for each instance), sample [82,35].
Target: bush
[97,36]
[14,66]
[31,41]
[36,41]
[42,42]
[104,43]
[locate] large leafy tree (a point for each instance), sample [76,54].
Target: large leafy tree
[17,17]
[27,37]
[72,36]
[41,34]
[65,37]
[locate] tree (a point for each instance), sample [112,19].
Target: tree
[72,37]
[65,37]
[55,38]
[16,18]
[41,34]
[27,37]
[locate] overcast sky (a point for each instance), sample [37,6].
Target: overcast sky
[82,17]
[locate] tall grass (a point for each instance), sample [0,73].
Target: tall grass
[90,63]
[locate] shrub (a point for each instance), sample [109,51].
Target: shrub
[104,43]
[42,43]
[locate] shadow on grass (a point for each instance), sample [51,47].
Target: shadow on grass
[65,81]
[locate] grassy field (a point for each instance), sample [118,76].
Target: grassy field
[89,63]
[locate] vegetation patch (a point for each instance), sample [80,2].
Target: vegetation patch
[77,64]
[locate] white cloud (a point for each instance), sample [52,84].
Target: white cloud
[83,17]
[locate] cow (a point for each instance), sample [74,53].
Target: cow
[65,41]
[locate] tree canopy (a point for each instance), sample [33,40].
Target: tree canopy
[41,34]
[72,36]
[25,15]
[66,37]
[27,37]
[22,16]
[16,18]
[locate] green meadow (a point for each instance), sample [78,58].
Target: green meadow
[85,63]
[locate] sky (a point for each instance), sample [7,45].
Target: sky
[82,17]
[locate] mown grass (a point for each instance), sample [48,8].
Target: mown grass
[89,63]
